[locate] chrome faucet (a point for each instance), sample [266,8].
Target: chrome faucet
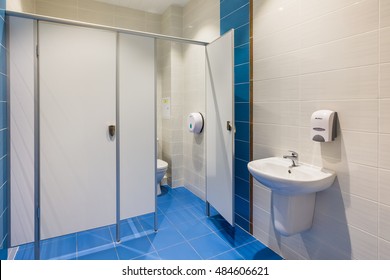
[293,157]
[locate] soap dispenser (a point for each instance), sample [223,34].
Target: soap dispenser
[324,126]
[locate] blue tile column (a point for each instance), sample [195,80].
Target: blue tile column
[236,14]
[3,138]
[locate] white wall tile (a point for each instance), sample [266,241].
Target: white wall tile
[384,186]
[261,196]
[360,148]
[353,51]
[364,246]
[284,89]
[385,13]
[286,113]
[384,116]
[277,67]
[384,151]
[311,9]
[351,83]
[384,222]
[385,80]
[352,20]
[384,249]
[385,45]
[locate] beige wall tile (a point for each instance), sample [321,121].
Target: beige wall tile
[354,51]
[283,89]
[384,151]
[384,249]
[385,13]
[384,222]
[351,20]
[384,186]
[351,83]
[385,45]
[385,80]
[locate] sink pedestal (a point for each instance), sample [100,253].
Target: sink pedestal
[293,213]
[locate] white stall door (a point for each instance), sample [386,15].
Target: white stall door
[220,125]
[77,70]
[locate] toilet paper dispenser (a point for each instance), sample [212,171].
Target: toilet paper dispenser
[195,123]
[324,126]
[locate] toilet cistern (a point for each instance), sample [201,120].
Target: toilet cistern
[293,157]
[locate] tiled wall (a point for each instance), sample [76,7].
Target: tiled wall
[311,55]
[200,22]
[170,55]
[3,138]
[90,11]
[235,14]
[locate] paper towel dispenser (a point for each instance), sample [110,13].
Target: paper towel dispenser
[323,126]
[195,122]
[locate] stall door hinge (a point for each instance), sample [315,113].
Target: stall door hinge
[37,51]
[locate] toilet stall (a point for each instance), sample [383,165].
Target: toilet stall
[83,126]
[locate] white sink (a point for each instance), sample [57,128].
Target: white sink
[276,174]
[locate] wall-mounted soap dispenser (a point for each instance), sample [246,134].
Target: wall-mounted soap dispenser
[323,126]
[195,123]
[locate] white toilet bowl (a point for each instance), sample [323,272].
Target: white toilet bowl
[162,168]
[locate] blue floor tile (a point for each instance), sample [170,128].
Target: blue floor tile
[193,229]
[148,222]
[165,238]
[257,251]
[128,228]
[229,255]
[90,239]
[151,256]
[182,216]
[25,254]
[181,251]
[134,248]
[63,248]
[209,245]
[107,254]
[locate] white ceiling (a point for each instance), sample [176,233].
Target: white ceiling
[152,6]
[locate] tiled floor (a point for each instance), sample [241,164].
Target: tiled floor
[184,233]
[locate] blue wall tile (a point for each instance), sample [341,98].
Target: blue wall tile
[242,112]
[242,187]
[3,115]
[241,92]
[241,35]
[3,59]
[241,169]
[242,207]
[241,73]
[3,145]
[236,19]
[241,54]
[242,222]
[227,7]
[242,150]
[242,131]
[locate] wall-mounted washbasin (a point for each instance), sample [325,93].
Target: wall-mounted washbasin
[294,190]
[278,175]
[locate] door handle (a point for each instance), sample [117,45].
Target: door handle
[111,130]
[228,126]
